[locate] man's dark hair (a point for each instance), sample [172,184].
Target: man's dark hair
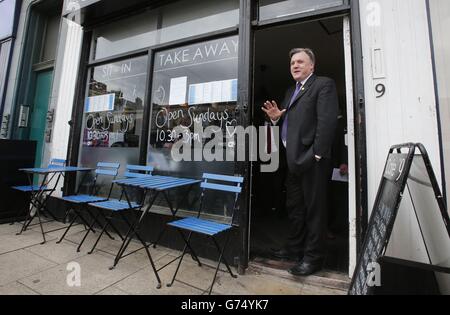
[307,51]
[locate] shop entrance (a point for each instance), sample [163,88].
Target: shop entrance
[269,219]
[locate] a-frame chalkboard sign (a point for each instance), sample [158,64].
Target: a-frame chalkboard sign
[407,166]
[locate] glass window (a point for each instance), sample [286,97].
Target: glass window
[51,38]
[7,10]
[112,122]
[440,23]
[193,17]
[271,9]
[171,22]
[125,35]
[195,84]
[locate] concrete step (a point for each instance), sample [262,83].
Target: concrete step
[325,278]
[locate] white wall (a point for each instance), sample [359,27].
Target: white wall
[396,51]
[63,91]
[440,19]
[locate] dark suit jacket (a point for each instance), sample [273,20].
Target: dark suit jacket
[312,123]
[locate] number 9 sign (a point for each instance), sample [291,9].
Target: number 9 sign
[380,89]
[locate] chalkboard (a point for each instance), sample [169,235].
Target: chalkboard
[383,215]
[408,176]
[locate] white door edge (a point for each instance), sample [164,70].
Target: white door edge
[351,146]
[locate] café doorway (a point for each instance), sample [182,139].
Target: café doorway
[269,220]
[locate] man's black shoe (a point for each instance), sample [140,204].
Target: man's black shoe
[305,269]
[286,254]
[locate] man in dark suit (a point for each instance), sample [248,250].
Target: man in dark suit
[308,119]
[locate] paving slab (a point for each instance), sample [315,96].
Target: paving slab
[111,247]
[20,264]
[61,226]
[50,225]
[15,288]
[252,284]
[57,253]
[104,243]
[26,267]
[112,291]
[144,282]
[94,275]
[7,229]
[12,242]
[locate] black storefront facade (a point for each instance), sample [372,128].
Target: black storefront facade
[135,86]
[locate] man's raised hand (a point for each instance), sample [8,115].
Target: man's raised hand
[272,110]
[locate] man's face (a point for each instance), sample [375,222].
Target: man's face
[301,66]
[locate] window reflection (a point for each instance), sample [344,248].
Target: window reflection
[270,9]
[113,110]
[168,23]
[201,17]
[125,35]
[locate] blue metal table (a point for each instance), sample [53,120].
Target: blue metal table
[38,191]
[156,185]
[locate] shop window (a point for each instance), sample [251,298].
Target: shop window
[194,86]
[194,17]
[113,110]
[51,38]
[272,9]
[125,35]
[171,22]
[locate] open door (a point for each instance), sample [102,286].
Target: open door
[330,39]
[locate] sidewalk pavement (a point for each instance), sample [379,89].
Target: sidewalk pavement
[28,268]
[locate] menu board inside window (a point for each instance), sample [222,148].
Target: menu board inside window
[194,85]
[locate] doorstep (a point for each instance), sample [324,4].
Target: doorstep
[323,279]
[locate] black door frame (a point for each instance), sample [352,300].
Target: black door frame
[248,25]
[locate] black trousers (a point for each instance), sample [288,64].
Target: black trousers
[306,204]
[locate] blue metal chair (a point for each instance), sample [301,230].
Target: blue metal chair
[54,163]
[79,202]
[208,227]
[37,191]
[120,206]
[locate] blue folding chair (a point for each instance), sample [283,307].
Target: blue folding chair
[79,202]
[119,206]
[54,163]
[37,191]
[208,227]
